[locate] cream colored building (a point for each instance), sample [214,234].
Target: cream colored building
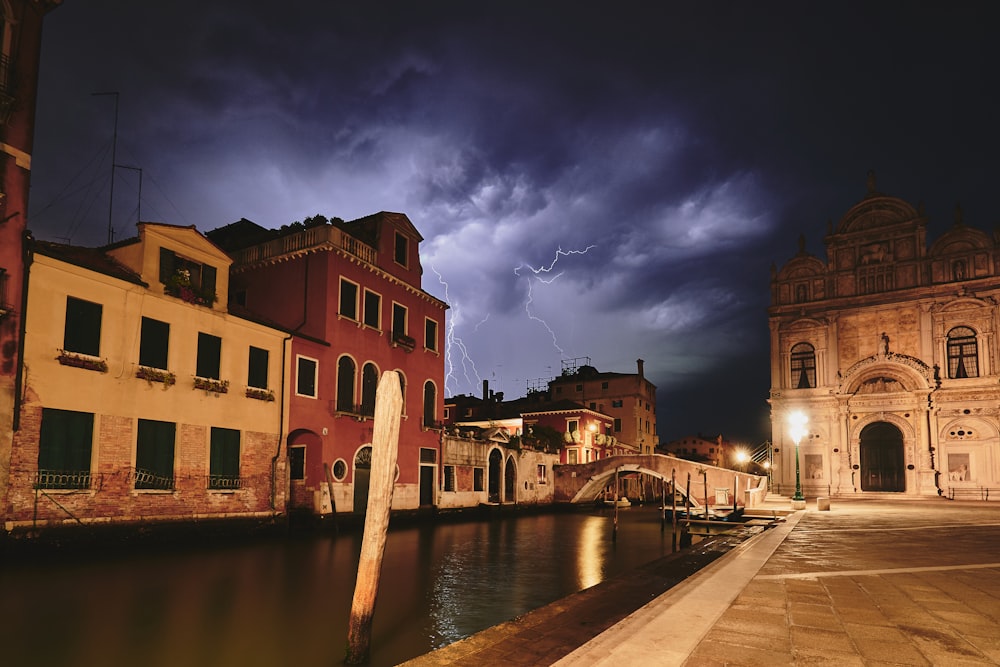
[890,349]
[144,397]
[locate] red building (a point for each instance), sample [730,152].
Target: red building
[20,44]
[350,294]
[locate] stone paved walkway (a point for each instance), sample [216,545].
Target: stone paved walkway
[872,582]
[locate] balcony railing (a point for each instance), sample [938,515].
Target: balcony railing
[224,482]
[63,479]
[307,238]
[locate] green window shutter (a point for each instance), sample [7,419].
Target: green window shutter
[168,262]
[153,343]
[65,444]
[224,462]
[208,274]
[209,356]
[82,333]
[257,368]
[154,454]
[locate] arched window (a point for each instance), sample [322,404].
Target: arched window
[430,403]
[369,385]
[402,387]
[803,366]
[963,353]
[345,384]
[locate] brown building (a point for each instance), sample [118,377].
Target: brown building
[889,348]
[628,398]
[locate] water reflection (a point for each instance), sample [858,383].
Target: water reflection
[287,602]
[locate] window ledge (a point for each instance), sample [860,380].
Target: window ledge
[85,361]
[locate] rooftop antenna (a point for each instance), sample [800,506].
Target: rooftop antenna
[114,147]
[138,208]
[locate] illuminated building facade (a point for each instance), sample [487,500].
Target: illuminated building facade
[144,398]
[350,295]
[890,348]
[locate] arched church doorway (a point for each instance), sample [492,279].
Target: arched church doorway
[882,466]
[496,460]
[509,479]
[362,478]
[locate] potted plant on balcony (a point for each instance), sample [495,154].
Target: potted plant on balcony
[211,384]
[151,375]
[180,286]
[82,361]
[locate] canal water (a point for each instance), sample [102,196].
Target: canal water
[287,601]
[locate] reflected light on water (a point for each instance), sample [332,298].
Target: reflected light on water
[590,555]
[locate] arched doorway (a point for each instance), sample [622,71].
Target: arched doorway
[509,479]
[882,466]
[496,460]
[362,478]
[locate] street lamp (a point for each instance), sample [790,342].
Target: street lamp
[797,429]
[741,458]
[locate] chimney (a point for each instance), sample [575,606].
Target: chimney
[639,363]
[486,389]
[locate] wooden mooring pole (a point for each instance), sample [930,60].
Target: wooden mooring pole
[385,441]
[673,507]
[614,531]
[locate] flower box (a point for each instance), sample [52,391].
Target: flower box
[150,374]
[404,341]
[260,394]
[82,361]
[209,384]
[180,286]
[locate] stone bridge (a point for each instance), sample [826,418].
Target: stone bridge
[584,482]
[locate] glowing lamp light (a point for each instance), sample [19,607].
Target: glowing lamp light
[797,430]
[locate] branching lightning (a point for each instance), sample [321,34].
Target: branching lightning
[537,275]
[453,342]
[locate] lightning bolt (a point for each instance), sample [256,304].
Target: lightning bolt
[453,342]
[537,275]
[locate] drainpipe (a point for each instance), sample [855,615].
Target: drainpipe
[281,414]
[281,429]
[22,327]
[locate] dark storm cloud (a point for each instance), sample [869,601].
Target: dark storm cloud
[611,181]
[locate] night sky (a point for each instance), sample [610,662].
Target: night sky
[602,180]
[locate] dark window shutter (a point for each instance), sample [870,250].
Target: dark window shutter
[153,343]
[208,279]
[257,368]
[209,352]
[167,264]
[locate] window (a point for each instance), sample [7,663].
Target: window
[542,477]
[449,478]
[571,456]
[618,425]
[430,400]
[430,334]
[187,279]
[572,425]
[803,365]
[604,385]
[617,403]
[64,448]
[345,384]
[401,250]
[297,462]
[305,376]
[82,333]
[154,455]
[369,385]
[209,356]
[224,459]
[348,299]
[373,310]
[154,336]
[339,470]
[478,479]
[402,388]
[963,353]
[398,320]
[579,387]
[257,368]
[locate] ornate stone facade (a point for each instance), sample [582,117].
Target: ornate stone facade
[890,348]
